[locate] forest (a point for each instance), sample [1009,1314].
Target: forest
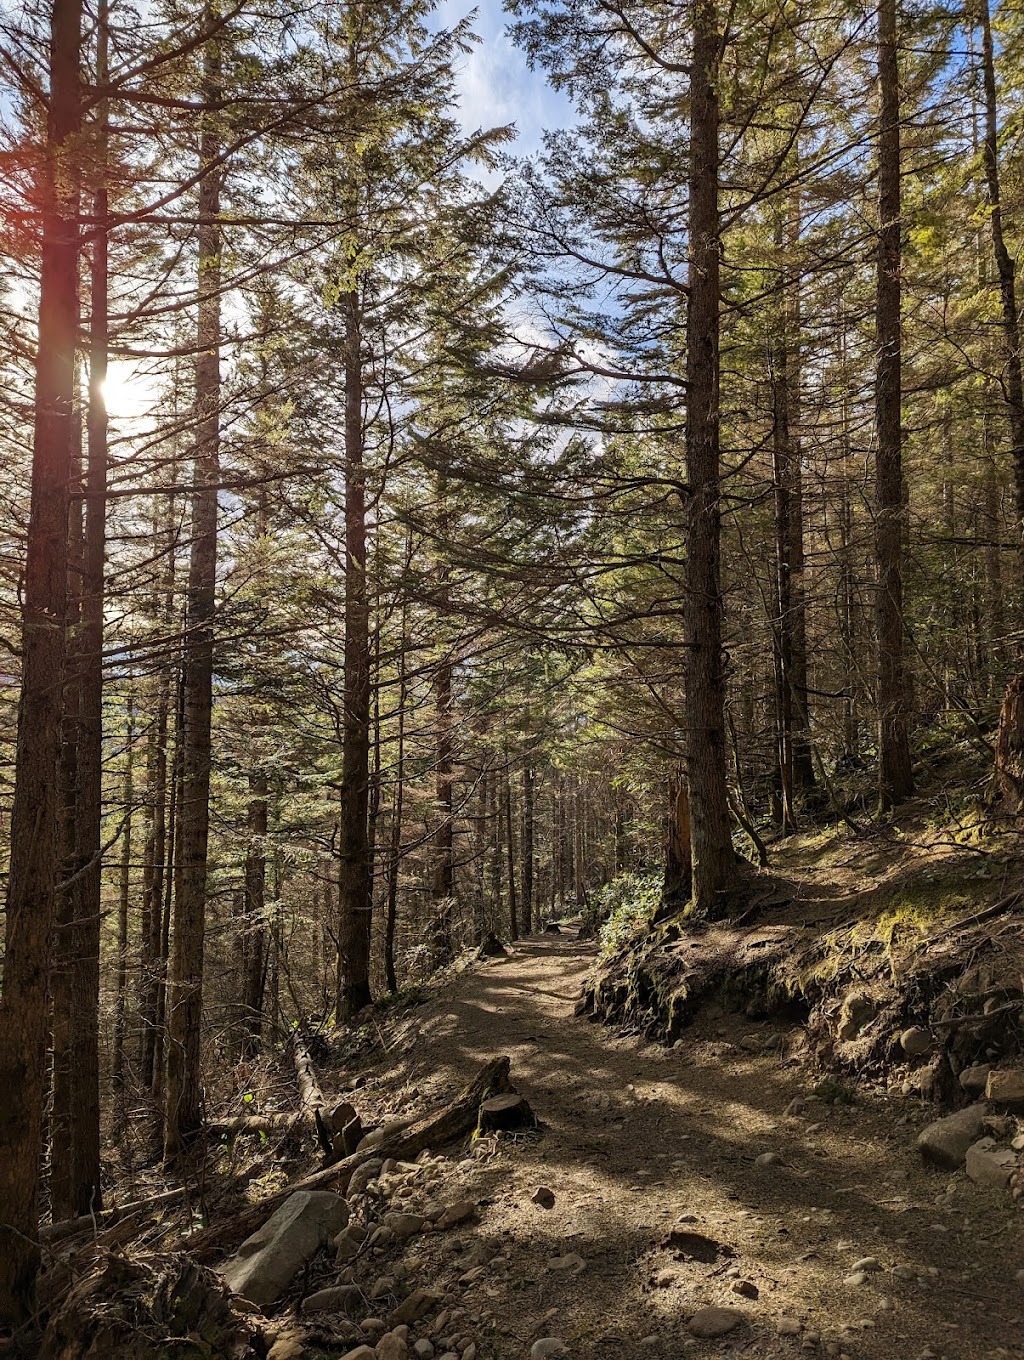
[508,654]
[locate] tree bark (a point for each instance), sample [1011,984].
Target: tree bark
[353,992]
[33,830]
[896,780]
[713,856]
[529,924]
[183,1112]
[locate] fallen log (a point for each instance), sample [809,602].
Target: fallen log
[252,1123]
[70,1227]
[452,1121]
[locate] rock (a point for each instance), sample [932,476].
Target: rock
[404,1226]
[363,1175]
[789,1327]
[546,1347]
[1005,1086]
[990,1164]
[867,1264]
[382,1287]
[419,1302]
[974,1079]
[572,1262]
[288,1347]
[267,1262]
[544,1197]
[424,1349]
[768,1159]
[372,1325]
[904,1272]
[796,1106]
[391,1346]
[708,1323]
[338,1299]
[369,1141]
[945,1141]
[469,1352]
[916,1042]
[456,1213]
[361,1353]
[747,1288]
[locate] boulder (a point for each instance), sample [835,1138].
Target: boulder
[945,1141]
[1005,1086]
[267,1262]
[990,1164]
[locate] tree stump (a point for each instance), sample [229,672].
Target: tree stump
[491,947]
[1007,789]
[511,1111]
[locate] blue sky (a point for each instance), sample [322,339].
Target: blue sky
[497,86]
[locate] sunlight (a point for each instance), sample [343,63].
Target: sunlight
[129,393]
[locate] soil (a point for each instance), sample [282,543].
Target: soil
[638,1139]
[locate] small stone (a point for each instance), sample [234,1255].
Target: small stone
[403,1226]
[1006,1086]
[546,1347]
[373,1325]
[391,1347]
[990,1165]
[469,1352]
[572,1262]
[945,1141]
[364,1173]
[708,1323]
[768,1159]
[337,1299]
[411,1309]
[973,1079]
[424,1349]
[288,1346]
[904,1272]
[916,1042]
[544,1197]
[360,1353]
[747,1288]
[867,1263]
[857,1277]
[789,1327]
[457,1213]
[796,1106]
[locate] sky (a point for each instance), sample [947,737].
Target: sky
[497,86]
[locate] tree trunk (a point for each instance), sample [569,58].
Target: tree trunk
[529,924]
[75,1157]
[510,851]
[256,934]
[354,878]
[33,830]
[678,883]
[443,876]
[119,1075]
[183,1113]
[713,856]
[896,780]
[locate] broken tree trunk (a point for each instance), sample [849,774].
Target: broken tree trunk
[70,1227]
[311,1098]
[452,1121]
[511,1111]
[1007,791]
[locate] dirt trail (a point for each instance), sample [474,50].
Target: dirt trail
[638,1139]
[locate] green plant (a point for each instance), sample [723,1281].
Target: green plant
[624,906]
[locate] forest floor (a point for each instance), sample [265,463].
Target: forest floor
[638,1139]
